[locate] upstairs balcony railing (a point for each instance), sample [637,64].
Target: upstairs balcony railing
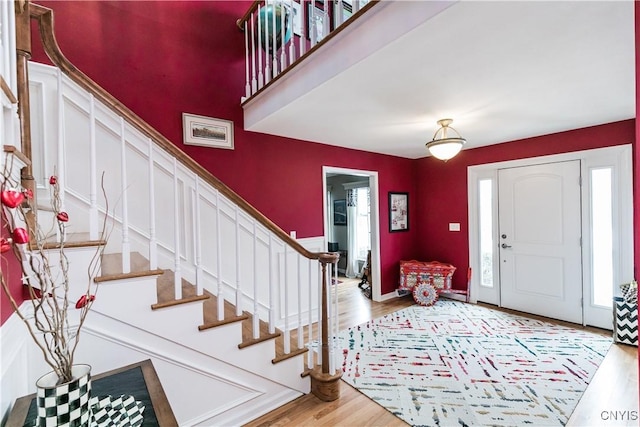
[279,34]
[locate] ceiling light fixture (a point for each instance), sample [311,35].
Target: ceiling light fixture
[442,146]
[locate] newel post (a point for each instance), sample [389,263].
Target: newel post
[325,385]
[23,54]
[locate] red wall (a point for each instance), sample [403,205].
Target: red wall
[11,271]
[443,195]
[163,58]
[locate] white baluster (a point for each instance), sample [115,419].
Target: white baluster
[61,140]
[126,246]
[312,26]
[332,367]
[247,88]
[303,27]
[292,46]
[256,319]
[260,75]
[325,19]
[334,319]
[198,237]
[267,57]
[320,303]
[300,330]
[238,286]
[12,56]
[254,82]
[272,293]
[283,56]
[177,283]
[93,190]
[287,339]
[219,258]
[309,327]
[7,52]
[153,243]
[274,60]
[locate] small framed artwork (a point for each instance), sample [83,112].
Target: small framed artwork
[207,131]
[297,18]
[317,23]
[340,212]
[398,212]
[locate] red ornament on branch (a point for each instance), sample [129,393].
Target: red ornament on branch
[53,180]
[20,235]
[11,198]
[84,301]
[63,217]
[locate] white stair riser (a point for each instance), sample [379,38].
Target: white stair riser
[179,324]
[78,278]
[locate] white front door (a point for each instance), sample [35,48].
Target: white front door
[539,238]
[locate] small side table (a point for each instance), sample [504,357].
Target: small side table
[117,382]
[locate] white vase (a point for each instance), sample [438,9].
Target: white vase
[67,404]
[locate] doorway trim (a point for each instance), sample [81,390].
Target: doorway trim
[618,157]
[375,218]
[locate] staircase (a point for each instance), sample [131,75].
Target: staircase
[192,276]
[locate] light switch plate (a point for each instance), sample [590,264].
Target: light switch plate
[454,226]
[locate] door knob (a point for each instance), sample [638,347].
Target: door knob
[505,246]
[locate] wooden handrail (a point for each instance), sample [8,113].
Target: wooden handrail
[240,22]
[10,149]
[44,17]
[7,91]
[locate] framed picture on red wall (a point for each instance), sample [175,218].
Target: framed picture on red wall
[207,131]
[398,211]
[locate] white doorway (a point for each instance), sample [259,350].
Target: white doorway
[604,238]
[371,179]
[539,240]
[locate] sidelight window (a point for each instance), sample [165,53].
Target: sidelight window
[602,236]
[485,198]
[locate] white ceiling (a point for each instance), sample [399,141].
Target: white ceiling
[502,70]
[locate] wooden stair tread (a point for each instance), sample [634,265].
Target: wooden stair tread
[262,338]
[211,321]
[210,313]
[112,263]
[265,335]
[72,240]
[225,321]
[166,292]
[293,353]
[112,267]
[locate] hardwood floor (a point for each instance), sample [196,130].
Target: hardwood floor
[610,400]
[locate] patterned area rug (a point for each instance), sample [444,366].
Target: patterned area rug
[457,364]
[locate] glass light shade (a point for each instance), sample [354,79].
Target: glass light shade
[442,146]
[445,149]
